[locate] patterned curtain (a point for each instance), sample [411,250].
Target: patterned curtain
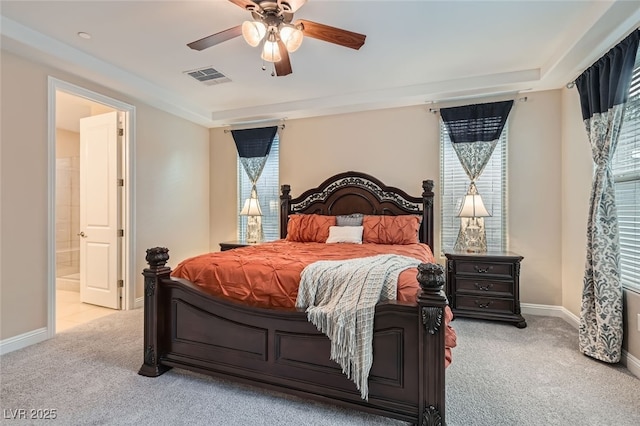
[604,90]
[474,131]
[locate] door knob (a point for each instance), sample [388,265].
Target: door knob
[81,234]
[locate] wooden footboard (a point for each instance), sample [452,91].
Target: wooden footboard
[279,349]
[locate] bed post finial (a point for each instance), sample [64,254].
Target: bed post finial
[427,187]
[431,303]
[157,257]
[431,277]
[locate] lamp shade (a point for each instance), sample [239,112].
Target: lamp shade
[253,32]
[291,37]
[473,207]
[251,208]
[271,52]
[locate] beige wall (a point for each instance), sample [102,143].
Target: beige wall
[23,268]
[67,143]
[172,186]
[577,172]
[224,188]
[534,206]
[171,207]
[401,147]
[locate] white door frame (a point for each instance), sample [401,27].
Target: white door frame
[128,246]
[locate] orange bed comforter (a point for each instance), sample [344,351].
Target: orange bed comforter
[268,274]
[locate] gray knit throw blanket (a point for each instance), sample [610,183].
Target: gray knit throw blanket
[340,298]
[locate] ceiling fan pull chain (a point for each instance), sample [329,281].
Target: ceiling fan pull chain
[264,66]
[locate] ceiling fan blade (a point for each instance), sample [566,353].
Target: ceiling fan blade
[293,4]
[216,38]
[245,4]
[283,67]
[331,34]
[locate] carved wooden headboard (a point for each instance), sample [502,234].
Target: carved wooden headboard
[355,192]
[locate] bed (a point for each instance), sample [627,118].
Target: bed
[193,327]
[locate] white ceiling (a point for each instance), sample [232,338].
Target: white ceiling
[415,52]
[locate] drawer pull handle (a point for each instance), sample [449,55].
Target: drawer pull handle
[483,305]
[485,287]
[482,270]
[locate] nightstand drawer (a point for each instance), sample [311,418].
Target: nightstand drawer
[492,287]
[485,304]
[476,267]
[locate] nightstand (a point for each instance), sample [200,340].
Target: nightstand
[485,286]
[228,245]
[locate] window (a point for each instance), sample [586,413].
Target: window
[268,188]
[492,186]
[626,175]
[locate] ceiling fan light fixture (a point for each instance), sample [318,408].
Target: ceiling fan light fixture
[271,51]
[253,32]
[272,26]
[291,37]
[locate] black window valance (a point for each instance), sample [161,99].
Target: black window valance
[606,82]
[476,123]
[254,142]
[253,147]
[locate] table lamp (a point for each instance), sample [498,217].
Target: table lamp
[252,210]
[472,232]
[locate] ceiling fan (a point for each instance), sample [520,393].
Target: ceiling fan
[272,27]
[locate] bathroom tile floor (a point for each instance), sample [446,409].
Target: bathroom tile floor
[70,312]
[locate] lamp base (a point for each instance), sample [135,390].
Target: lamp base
[254,229]
[472,236]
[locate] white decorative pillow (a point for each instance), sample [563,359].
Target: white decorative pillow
[345,234]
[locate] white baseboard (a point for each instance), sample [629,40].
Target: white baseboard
[550,311]
[138,303]
[23,340]
[632,363]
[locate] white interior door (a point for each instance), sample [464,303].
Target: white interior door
[99,210]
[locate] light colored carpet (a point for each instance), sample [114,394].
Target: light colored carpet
[500,375]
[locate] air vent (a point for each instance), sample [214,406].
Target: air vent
[208,76]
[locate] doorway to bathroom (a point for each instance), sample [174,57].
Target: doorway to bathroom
[90,206]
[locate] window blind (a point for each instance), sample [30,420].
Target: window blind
[492,186]
[626,175]
[268,187]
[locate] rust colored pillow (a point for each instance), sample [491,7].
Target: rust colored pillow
[309,228]
[391,229]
